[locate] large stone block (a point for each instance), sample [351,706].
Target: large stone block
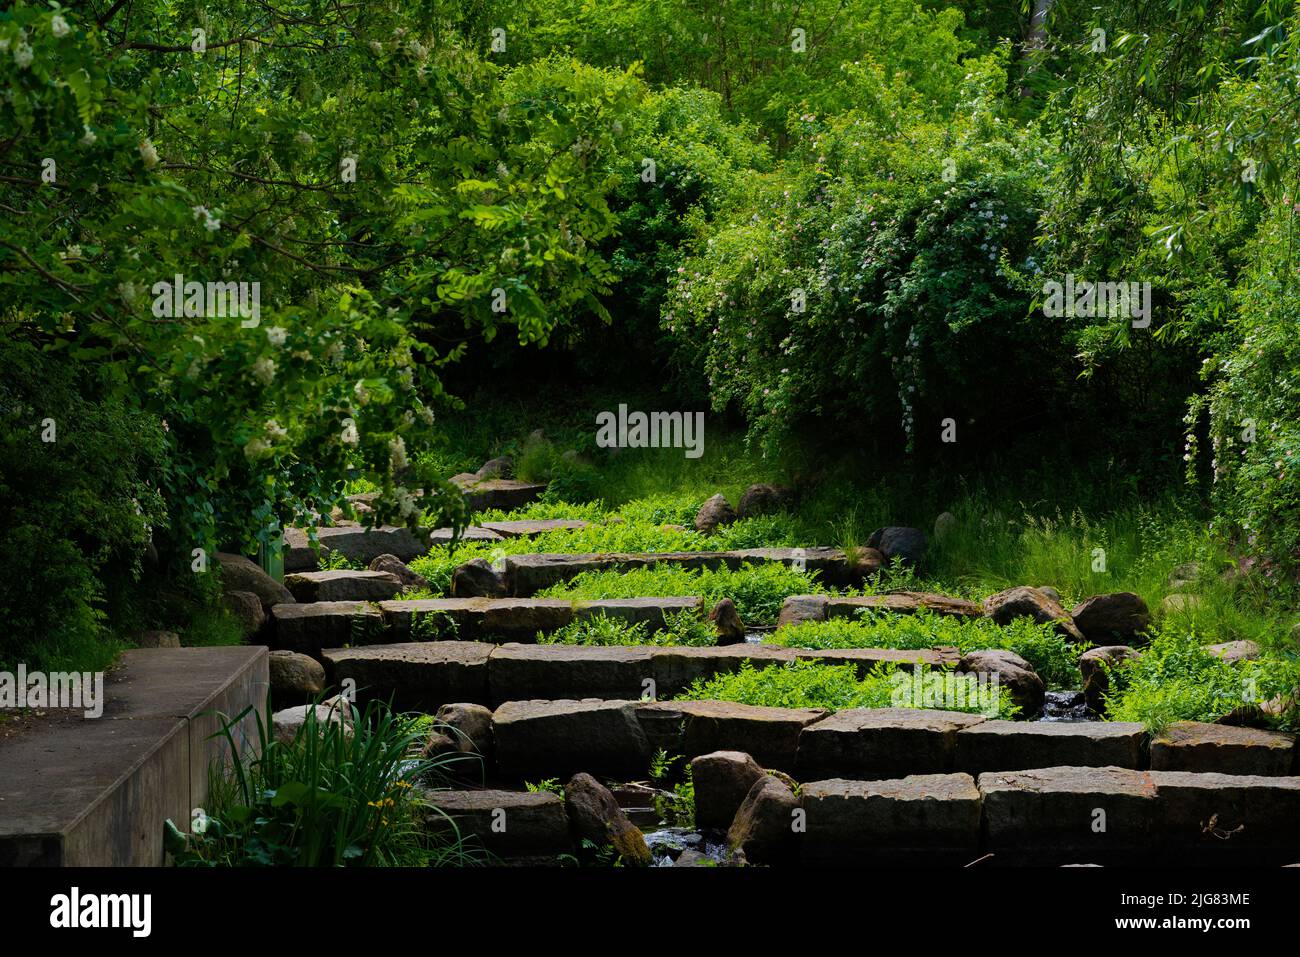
[1020,745]
[544,739]
[1233,819]
[677,667]
[1194,746]
[918,820]
[343,585]
[416,676]
[771,735]
[514,826]
[519,672]
[882,742]
[309,629]
[1050,816]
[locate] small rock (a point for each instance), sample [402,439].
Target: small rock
[1184,575]
[240,574]
[501,467]
[1014,673]
[1119,616]
[944,525]
[693,858]
[731,630]
[763,499]
[722,780]
[1094,665]
[1234,650]
[246,608]
[763,827]
[158,639]
[1051,593]
[470,725]
[1023,601]
[477,579]
[295,677]
[288,722]
[594,815]
[897,541]
[714,513]
[673,528]
[395,566]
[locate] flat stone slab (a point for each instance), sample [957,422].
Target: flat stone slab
[416,676]
[512,825]
[769,735]
[474,533]
[933,817]
[505,494]
[520,672]
[354,542]
[1194,746]
[1068,815]
[544,739]
[342,585]
[94,792]
[528,574]
[1020,745]
[517,619]
[531,529]
[903,603]
[866,660]
[1227,818]
[310,628]
[882,742]
[800,608]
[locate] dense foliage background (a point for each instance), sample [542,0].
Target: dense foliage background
[831,221]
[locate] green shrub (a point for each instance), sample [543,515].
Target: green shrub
[1176,679]
[77,513]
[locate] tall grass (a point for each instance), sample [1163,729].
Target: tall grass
[340,793]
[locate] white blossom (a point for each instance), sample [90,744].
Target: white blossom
[59,26]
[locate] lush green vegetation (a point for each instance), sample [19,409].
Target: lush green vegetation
[682,628]
[812,684]
[340,793]
[833,228]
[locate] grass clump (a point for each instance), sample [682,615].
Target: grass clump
[1177,679]
[757,590]
[337,794]
[812,684]
[1052,655]
[681,628]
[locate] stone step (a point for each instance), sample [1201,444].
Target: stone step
[800,608]
[353,541]
[533,528]
[504,494]
[473,533]
[1121,816]
[1042,816]
[932,818]
[342,585]
[309,629]
[528,574]
[867,744]
[518,619]
[414,671]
